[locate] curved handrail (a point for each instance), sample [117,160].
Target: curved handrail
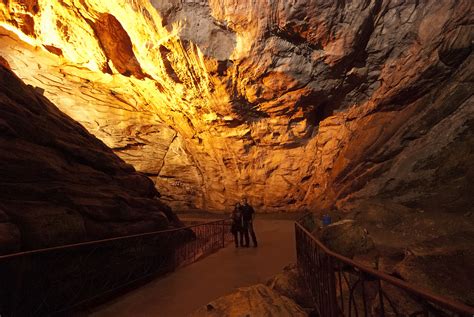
[96,270]
[450,304]
[95,242]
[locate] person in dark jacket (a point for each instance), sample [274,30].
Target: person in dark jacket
[248,215]
[237,225]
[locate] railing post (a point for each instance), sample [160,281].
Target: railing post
[223,233]
[332,287]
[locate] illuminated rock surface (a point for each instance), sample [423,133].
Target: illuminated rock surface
[258,300]
[58,183]
[303,104]
[362,106]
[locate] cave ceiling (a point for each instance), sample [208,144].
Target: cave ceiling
[295,104]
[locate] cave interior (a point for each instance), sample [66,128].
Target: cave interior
[122,117]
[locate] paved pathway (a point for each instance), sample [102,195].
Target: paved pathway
[187,289]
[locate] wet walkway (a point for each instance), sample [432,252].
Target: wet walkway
[187,289]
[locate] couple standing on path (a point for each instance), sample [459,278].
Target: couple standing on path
[242,224]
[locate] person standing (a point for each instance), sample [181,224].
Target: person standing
[248,215]
[237,225]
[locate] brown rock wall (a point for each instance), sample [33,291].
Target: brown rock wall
[301,104]
[61,185]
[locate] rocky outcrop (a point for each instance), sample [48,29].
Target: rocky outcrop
[347,238]
[58,183]
[442,265]
[303,104]
[117,46]
[285,294]
[431,249]
[257,300]
[289,283]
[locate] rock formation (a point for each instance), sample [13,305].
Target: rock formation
[291,284]
[296,104]
[283,295]
[256,300]
[58,183]
[430,249]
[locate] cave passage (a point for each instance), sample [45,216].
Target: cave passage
[119,118]
[184,291]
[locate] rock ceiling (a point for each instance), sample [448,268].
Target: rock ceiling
[295,104]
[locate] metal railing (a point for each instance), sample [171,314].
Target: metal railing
[340,286]
[58,280]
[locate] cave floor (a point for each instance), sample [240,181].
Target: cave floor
[191,287]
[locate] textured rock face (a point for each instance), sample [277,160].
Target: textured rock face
[443,266]
[290,283]
[257,300]
[429,248]
[295,104]
[58,183]
[346,238]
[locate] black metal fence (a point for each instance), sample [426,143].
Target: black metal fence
[341,287]
[55,281]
